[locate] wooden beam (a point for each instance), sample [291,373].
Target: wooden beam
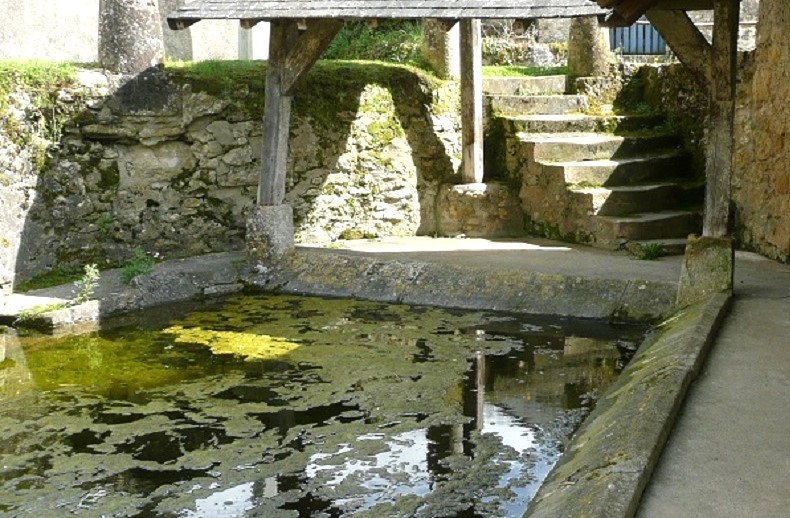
[249,23]
[685,5]
[631,11]
[685,40]
[306,51]
[719,160]
[181,24]
[276,117]
[471,102]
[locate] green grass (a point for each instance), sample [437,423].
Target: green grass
[515,71]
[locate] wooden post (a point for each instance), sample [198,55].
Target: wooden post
[276,119]
[719,161]
[471,102]
[290,58]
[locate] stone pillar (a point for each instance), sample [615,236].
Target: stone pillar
[130,35]
[708,268]
[178,44]
[588,48]
[440,47]
[270,233]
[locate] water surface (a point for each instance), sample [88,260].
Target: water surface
[272,405]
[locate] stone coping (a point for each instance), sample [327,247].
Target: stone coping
[337,273]
[610,459]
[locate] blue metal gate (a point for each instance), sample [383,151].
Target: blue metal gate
[639,39]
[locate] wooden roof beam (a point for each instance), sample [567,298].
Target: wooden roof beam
[685,40]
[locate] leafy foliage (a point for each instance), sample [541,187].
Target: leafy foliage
[140,264]
[392,40]
[87,284]
[649,251]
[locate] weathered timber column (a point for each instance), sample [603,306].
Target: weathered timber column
[709,261]
[471,102]
[270,231]
[588,48]
[130,35]
[276,119]
[719,161]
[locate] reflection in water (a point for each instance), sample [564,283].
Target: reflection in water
[371,410]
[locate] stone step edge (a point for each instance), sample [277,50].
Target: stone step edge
[645,156]
[638,188]
[651,217]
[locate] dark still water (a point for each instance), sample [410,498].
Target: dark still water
[271,405]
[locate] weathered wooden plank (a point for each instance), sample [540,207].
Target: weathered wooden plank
[471,102]
[276,118]
[719,160]
[685,40]
[306,51]
[449,9]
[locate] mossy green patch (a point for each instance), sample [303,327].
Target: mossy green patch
[519,71]
[246,345]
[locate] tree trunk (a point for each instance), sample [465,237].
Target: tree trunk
[130,35]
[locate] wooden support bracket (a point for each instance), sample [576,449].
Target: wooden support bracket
[685,40]
[249,23]
[291,55]
[306,51]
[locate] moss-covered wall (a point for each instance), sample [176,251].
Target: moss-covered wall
[761,184]
[170,161]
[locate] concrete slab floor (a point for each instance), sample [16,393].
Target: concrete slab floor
[729,453]
[533,254]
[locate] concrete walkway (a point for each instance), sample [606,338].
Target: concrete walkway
[729,453]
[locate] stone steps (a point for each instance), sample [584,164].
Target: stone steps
[541,85]
[537,104]
[606,179]
[669,224]
[646,167]
[588,146]
[635,199]
[580,123]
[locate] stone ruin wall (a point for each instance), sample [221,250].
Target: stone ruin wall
[762,169]
[170,168]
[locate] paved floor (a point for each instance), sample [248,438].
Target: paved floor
[729,454]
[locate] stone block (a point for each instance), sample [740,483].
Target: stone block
[708,268]
[270,233]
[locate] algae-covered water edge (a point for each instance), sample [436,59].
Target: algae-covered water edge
[275,405]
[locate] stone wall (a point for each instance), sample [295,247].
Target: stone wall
[762,171]
[170,163]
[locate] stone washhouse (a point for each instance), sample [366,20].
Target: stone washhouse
[302,30]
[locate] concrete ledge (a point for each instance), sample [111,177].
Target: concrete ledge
[332,273]
[610,459]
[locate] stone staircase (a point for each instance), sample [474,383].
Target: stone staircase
[612,181]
